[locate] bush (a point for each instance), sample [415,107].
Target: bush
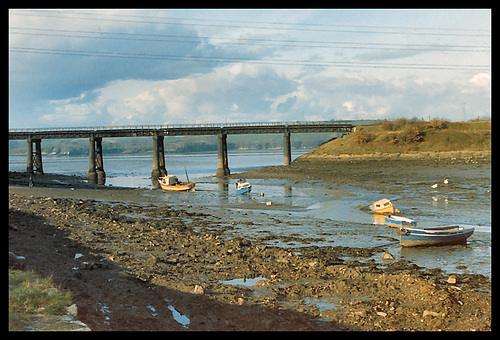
[362,137]
[413,134]
[438,124]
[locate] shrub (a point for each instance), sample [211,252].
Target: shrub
[438,124]
[363,137]
[413,135]
[387,125]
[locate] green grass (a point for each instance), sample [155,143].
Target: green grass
[30,295]
[411,135]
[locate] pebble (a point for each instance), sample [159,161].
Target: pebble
[431,313]
[452,279]
[388,257]
[198,290]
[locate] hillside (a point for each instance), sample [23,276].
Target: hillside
[404,136]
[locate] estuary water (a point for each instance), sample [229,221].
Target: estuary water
[309,212]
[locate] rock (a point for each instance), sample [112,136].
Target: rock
[198,290]
[240,301]
[17,262]
[87,265]
[72,310]
[382,314]
[144,277]
[452,279]
[312,264]
[52,291]
[430,313]
[388,257]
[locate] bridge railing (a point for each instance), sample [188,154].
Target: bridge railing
[174,126]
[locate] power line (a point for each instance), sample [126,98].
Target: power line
[165,21]
[215,59]
[241,41]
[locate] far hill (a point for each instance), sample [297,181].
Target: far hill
[405,135]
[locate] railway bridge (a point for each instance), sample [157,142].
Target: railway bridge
[96,173]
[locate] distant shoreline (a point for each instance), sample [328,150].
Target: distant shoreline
[416,155]
[371,167]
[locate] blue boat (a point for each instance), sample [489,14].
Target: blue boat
[434,236]
[243,187]
[398,221]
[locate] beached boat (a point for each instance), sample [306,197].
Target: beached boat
[243,187]
[399,221]
[172,183]
[434,236]
[383,206]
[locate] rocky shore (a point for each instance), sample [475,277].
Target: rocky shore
[131,264]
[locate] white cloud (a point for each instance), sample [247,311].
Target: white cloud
[349,106]
[481,80]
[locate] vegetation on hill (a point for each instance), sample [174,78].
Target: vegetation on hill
[410,135]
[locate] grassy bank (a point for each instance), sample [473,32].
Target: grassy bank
[405,135]
[30,295]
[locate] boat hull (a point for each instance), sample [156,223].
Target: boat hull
[394,221]
[434,236]
[244,190]
[178,187]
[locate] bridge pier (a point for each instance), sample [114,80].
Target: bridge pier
[96,172]
[222,163]
[287,149]
[34,159]
[159,169]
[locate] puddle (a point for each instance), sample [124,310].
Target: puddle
[243,282]
[153,310]
[180,318]
[324,303]
[105,310]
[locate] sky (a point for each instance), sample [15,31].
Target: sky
[72,68]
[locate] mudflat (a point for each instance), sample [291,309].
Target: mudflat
[134,264]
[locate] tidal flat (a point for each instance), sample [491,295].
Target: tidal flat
[223,263]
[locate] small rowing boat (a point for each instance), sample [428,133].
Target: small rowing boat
[172,183]
[434,236]
[243,187]
[399,221]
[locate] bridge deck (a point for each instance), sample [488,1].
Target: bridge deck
[181,130]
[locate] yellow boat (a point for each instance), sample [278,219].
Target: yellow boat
[384,206]
[172,183]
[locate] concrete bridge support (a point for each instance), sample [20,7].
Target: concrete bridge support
[96,172]
[222,164]
[34,157]
[287,149]
[159,169]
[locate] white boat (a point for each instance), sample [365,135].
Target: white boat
[383,206]
[399,221]
[243,187]
[434,236]
[172,183]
